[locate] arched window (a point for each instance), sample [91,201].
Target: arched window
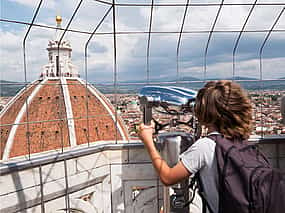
[50,56]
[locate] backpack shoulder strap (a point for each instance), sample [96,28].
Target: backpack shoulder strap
[205,203]
[195,184]
[215,137]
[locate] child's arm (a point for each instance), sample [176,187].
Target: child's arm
[168,176]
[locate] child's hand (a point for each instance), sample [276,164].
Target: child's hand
[145,133]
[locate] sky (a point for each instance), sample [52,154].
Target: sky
[131,49]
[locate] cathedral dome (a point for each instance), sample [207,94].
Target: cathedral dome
[57,115]
[57,111]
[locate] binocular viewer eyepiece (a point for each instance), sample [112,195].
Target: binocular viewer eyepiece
[174,100]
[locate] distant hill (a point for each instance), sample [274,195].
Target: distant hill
[183,78]
[242,78]
[157,80]
[10,88]
[247,83]
[237,78]
[187,78]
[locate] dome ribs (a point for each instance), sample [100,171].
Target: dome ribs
[8,118]
[48,129]
[120,120]
[101,124]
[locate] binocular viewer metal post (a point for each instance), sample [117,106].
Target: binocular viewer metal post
[172,144]
[174,101]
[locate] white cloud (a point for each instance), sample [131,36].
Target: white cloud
[12,54]
[246,68]
[131,49]
[34,3]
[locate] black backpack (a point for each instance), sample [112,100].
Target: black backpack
[247,181]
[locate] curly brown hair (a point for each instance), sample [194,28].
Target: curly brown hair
[225,106]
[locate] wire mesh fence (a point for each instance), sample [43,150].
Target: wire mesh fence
[121,46]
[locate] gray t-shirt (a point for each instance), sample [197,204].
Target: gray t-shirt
[201,157]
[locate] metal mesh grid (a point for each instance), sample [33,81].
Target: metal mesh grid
[150,34]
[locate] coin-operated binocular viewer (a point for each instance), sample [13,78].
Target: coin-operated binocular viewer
[177,102]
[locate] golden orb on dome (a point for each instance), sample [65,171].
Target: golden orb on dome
[58,19]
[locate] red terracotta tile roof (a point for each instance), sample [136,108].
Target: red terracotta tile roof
[48,104]
[10,115]
[100,123]
[48,129]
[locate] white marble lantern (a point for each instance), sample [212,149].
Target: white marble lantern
[59,57]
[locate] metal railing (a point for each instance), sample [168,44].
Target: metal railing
[37,163]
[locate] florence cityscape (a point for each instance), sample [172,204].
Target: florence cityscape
[266,111]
